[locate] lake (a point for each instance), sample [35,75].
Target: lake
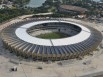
[96,0]
[37,3]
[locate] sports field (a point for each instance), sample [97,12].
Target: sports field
[54,35]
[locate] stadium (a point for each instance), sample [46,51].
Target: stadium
[50,39]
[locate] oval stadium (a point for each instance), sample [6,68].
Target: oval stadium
[50,39]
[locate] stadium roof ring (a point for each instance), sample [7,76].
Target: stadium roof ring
[84,39]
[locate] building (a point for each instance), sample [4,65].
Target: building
[83,39]
[72,9]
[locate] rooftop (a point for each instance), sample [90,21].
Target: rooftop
[73,8]
[85,33]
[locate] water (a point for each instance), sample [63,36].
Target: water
[36,3]
[97,0]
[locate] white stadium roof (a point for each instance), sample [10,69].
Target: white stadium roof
[21,32]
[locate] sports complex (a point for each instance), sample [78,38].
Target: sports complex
[50,39]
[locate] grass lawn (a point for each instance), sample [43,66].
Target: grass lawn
[54,35]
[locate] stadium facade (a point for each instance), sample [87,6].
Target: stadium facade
[81,39]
